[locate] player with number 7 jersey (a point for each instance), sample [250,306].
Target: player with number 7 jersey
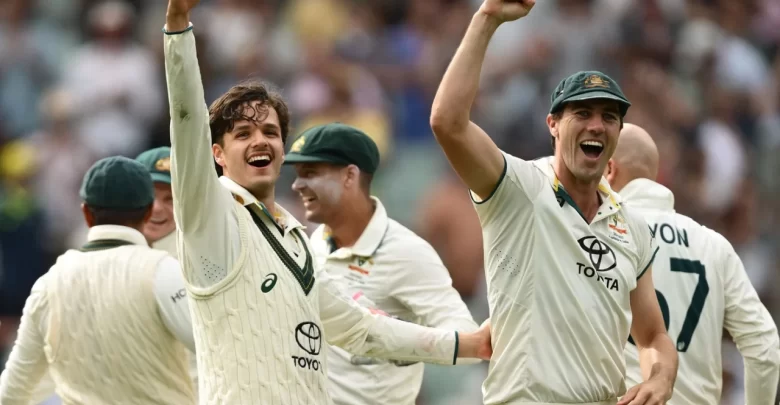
[701,285]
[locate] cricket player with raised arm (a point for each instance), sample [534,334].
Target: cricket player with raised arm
[568,267]
[260,313]
[385,265]
[101,321]
[701,286]
[160,230]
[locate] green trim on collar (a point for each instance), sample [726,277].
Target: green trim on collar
[103,244]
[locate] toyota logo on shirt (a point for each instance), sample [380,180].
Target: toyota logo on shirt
[309,337]
[600,254]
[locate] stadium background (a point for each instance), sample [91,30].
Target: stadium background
[82,79]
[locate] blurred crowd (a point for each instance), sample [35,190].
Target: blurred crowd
[83,79]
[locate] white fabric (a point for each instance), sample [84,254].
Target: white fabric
[559,326]
[392,269]
[728,300]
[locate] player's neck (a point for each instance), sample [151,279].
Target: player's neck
[266,197]
[584,193]
[352,220]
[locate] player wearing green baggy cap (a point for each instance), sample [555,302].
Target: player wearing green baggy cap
[568,266]
[161,228]
[384,265]
[101,321]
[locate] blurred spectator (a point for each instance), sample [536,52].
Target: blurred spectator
[83,79]
[114,82]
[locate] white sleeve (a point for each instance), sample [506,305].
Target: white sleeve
[423,285]
[511,203]
[752,328]
[359,331]
[202,207]
[647,245]
[171,294]
[27,363]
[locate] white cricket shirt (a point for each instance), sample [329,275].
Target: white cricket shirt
[106,325]
[702,287]
[259,311]
[558,289]
[392,269]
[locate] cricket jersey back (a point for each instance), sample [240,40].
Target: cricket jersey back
[105,340]
[558,289]
[257,331]
[688,277]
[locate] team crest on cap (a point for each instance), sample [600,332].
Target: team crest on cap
[163,165]
[298,145]
[595,81]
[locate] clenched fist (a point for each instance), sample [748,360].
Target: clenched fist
[507,10]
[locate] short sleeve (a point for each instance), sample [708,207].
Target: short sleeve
[517,188]
[647,246]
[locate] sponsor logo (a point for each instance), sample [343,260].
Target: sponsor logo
[309,338]
[181,294]
[601,255]
[268,283]
[602,259]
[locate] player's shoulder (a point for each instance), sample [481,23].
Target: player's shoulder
[403,244]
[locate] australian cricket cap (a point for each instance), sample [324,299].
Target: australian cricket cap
[587,85]
[158,162]
[335,143]
[117,183]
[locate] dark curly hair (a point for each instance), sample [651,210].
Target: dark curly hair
[228,109]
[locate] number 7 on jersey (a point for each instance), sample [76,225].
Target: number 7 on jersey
[693,314]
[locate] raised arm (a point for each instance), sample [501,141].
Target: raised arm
[752,328]
[360,331]
[202,207]
[470,151]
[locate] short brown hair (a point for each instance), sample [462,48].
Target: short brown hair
[107,216]
[229,108]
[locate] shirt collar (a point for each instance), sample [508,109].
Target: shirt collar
[245,198]
[607,194]
[372,236]
[645,193]
[101,232]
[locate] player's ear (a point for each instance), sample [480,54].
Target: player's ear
[352,176]
[610,172]
[87,215]
[219,154]
[552,125]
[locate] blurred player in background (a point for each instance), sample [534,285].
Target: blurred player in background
[161,228]
[567,266]
[259,313]
[701,285]
[384,264]
[102,321]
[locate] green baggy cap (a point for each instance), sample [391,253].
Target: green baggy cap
[158,162]
[335,143]
[587,85]
[117,183]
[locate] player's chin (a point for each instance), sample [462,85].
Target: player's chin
[314,215]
